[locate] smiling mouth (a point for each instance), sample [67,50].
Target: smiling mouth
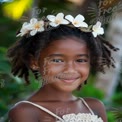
[68,80]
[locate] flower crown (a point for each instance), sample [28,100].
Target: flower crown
[35,26]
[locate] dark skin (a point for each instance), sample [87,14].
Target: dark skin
[64,65]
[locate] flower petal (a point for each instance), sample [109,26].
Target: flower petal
[100,31]
[33,32]
[25,24]
[94,27]
[80,24]
[94,34]
[69,17]
[28,27]
[83,24]
[65,22]
[79,17]
[20,34]
[76,24]
[60,16]
[51,18]
[41,23]
[41,29]
[33,21]
[98,24]
[53,24]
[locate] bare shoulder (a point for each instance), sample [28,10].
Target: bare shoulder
[23,112]
[97,107]
[94,102]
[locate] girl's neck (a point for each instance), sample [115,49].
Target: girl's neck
[47,93]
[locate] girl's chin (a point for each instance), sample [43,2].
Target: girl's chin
[68,89]
[68,85]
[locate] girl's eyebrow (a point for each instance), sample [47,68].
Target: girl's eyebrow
[51,55]
[79,55]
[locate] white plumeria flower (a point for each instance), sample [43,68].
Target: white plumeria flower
[78,21]
[57,20]
[24,30]
[97,29]
[36,26]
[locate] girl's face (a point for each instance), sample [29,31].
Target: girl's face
[65,64]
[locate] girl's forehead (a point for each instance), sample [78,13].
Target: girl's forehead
[66,46]
[73,41]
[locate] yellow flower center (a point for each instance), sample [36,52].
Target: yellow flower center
[75,23]
[57,21]
[37,26]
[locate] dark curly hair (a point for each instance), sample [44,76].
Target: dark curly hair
[19,53]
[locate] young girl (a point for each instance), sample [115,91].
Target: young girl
[62,50]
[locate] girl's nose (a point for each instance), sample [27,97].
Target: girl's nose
[70,68]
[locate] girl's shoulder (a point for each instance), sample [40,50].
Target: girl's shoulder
[22,111]
[91,100]
[94,102]
[97,107]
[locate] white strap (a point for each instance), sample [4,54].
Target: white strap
[42,108]
[87,106]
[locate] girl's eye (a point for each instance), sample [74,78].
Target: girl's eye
[57,60]
[82,60]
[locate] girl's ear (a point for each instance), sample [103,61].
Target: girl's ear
[33,63]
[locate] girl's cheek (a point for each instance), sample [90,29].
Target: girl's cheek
[84,69]
[55,69]
[50,69]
